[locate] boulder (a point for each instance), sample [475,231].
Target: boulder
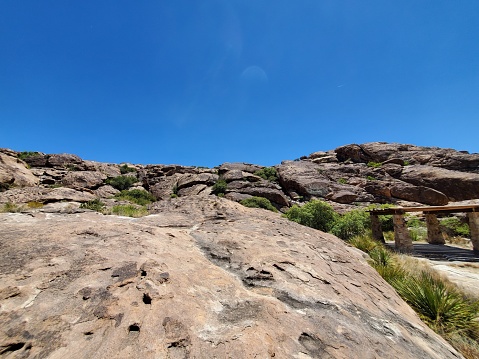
[457,186]
[188,180]
[13,172]
[239,283]
[84,179]
[342,196]
[245,167]
[106,191]
[304,178]
[65,160]
[421,194]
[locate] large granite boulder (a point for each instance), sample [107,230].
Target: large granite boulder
[203,278]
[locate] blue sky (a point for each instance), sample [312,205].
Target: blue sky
[210,81]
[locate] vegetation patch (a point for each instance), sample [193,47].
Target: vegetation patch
[34,204]
[94,205]
[351,223]
[219,187]
[121,182]
[11,207]
[129,210]
[268,173]
[258,202]
[137,196]
[315,214]
[124,169]
[374,164]
[25,154]
[439,303]
[453,226]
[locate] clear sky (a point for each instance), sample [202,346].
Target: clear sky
[211,81]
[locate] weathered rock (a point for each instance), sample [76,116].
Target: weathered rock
[66,160]
[44,195]
[207,179]
[420,194]
[237,197]
[457,186]
[165,187]
[241,283]
[14,173]
[106,191]
[342,197]
[193,190]
[83,179]
[245,167]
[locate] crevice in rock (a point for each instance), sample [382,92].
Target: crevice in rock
[12,347]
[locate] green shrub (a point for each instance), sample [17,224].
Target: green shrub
[454,227]
[351,224]
[258,202]
[137,196]
[121,182]
[268,173]
[414,221]
[315,214]
[418,233]
[25,154]
[126,169]
[129,210]
[342,181]
[374,164]
[173,195]
[219,187]
[94,205]
[371,178]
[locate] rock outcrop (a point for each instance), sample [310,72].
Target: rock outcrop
[346,177]
[204,277]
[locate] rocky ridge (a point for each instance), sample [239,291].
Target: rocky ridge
[348,176]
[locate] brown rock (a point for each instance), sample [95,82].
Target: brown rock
[457,186]
[83,179]
[65,160]
[419,194]
[344,197]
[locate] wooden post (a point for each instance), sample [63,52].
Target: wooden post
[402,239]
[376,228]
[474,228]
[434,234]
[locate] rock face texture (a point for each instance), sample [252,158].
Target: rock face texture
[346,177]
[203,277]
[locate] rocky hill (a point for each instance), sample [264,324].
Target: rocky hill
[347,176]
[202,276]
